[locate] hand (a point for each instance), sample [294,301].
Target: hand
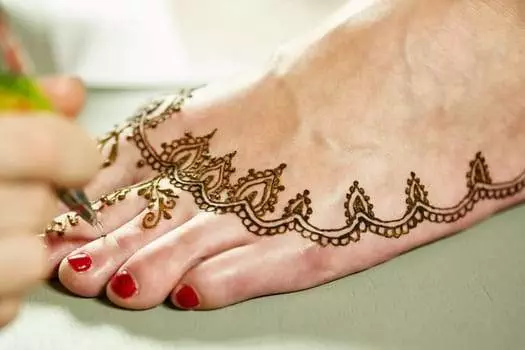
[37,151]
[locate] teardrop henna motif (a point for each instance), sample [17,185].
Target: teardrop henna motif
[189,166]
[300,205]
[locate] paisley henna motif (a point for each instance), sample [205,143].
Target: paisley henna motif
[189,166]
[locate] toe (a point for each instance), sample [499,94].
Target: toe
[87,269]
[58,248]
[147,278]
[270,266]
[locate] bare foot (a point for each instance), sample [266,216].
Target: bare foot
[381,132]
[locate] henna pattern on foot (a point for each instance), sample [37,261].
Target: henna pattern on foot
[188,165]
[157,192]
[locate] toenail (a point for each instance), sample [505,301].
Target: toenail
[80,262]
[123,285]
[186,297]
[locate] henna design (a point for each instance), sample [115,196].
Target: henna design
[157,192]
[168,105]
[161,201]
[188,165]
[60,224]
[192,169]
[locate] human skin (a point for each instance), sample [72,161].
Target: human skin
[37,151]
[430,87]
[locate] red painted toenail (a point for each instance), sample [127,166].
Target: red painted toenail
[80,262]
[186,297]
[123,285]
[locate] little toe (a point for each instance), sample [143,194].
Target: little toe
[148,277]
[270,266]
[87,269]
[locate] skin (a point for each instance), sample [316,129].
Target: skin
[398,87]
[59,153]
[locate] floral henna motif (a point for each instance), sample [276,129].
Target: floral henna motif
[188,165]
[157,192]
[160,201]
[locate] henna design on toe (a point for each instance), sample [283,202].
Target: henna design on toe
[60,224]
[188,165]
[158,193]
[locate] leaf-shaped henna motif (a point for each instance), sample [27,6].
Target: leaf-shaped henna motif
[161,199]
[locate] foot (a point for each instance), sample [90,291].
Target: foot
[377,137]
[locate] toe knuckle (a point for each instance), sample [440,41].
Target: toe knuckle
[121,242]
[317,262]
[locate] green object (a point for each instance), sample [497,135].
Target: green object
[18,92]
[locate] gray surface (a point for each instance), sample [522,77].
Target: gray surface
[464,292]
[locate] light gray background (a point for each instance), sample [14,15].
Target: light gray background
[464,292]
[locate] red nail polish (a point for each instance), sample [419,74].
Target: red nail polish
[123,285]
[80,262]
[186,297]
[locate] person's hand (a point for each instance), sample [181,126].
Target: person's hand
[37,151]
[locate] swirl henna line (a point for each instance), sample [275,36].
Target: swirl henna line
[419,210]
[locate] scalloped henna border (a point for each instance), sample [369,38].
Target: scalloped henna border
[360,217]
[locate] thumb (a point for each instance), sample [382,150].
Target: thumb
[67,94]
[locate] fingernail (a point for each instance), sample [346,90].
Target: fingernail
[123,285]
[80,262]
[186,297]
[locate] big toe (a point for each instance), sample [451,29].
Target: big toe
[269,266]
